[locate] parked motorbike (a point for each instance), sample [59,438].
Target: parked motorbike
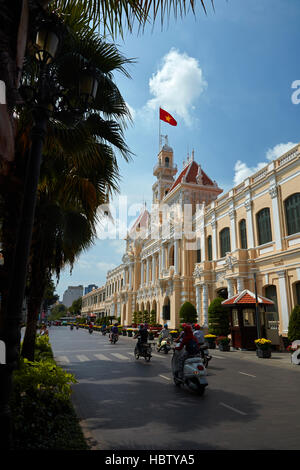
[165,346]
[144,351]
[194,373]
[113,338]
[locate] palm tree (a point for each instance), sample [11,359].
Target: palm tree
[79,168]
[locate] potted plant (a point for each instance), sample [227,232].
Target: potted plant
[263,347]
[223,343]
[211,340]
[174,333]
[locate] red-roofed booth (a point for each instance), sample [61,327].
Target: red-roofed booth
[243,318]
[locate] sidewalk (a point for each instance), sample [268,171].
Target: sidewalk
[278,359]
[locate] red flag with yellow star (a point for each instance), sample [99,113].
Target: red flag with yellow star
[165,116]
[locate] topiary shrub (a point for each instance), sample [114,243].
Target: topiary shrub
[294,324]
[188,313]
[218,318]
[152,317]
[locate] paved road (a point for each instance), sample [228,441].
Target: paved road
[126,404]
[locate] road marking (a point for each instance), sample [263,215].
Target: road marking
[157,355]
[63,359]
[233,409]
[102,357]
[120,356]
[82,358]
[217,357]
[164,377]
[249,375]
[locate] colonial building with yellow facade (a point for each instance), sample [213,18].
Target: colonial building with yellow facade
[197,243]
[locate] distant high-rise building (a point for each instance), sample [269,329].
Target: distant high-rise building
[89,288]
[71,294]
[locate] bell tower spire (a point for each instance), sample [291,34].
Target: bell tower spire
[164,170]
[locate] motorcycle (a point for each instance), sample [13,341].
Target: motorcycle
[165,345]
[103,332]
[91,331]
[113,338]
[144,351]
[206,357]
[77,327]
[194,373]
[71,327]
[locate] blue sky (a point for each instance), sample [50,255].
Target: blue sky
[226,78]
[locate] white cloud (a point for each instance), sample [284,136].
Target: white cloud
[177,85]
[279,150]
[243,171]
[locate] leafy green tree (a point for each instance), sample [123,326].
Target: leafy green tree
[75,308]
[57,312]
[188,313]
[294,324]
[218,318]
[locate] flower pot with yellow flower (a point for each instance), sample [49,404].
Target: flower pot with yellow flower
[263,348]
[211,341]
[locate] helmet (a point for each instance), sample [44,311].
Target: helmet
[196,326]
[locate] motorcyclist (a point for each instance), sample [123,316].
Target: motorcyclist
[114,331]
[91,326]
[103,328]
[142,337]
[199,334]
[190,345]
[164,334]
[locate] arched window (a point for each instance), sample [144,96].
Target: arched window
[264,226]
[292,213]
[167,161]
[271,293]
[243,234]
[224,241]
[209,248]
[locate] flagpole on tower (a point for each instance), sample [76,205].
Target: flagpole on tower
[159,131]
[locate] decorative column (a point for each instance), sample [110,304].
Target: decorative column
[130,276]
[142,273]
[230,288]
[176,256]
[240,284]
[153,268]
[283,301]
[205,304]
[214,239]
[198,302]
[232,215]
[250,233]
[273,191]
[147,271]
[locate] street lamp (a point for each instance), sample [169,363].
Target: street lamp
[47,41]
[88,86]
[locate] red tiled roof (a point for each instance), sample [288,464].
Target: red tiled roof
[191,172]
[247,297]
[141,222]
